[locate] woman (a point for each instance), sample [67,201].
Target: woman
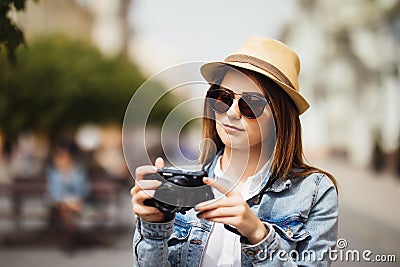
[290,217]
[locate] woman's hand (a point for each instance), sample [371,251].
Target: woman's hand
[232,210]
[75,205]
[145,189]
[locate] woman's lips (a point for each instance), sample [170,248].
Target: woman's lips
[232,129]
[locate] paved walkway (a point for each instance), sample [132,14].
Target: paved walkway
[374,195]
[118,256]
[369,211]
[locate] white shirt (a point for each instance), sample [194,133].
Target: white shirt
[223,248]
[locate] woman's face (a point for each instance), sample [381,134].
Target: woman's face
[237,131]
[63,160]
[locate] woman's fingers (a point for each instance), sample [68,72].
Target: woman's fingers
[149,184]
[143,170]
[147,169]
[145,189]
[146,211]
[213,204]
[139,198]
[224,220]
[145,194]
[233,198]
[223,185]
[159,163]
[144,185]
[139,208]
[219,212]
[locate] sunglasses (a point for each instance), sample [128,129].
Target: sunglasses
[251,105]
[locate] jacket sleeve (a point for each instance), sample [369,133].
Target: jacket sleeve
[314,250]
[150,243]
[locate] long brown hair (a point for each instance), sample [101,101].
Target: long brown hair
[288,158]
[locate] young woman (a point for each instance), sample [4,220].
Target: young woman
[275,210]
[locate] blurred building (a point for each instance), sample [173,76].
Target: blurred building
[350,52]
[102,22]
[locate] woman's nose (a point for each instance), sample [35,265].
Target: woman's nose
[233,111]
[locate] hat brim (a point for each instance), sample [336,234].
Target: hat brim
[209,71]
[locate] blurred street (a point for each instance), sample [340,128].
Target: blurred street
[369,216]
[109,246]
[369,211]
[65,112]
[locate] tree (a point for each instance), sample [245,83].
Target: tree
[58,84]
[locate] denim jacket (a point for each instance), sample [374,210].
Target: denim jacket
[301,216]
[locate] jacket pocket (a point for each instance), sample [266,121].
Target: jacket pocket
[291,228]
[180,234]
[177,243]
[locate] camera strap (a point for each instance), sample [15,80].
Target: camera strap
[255,200]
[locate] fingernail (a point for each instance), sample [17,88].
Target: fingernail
[206,179]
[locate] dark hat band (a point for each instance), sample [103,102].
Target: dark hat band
[265,66]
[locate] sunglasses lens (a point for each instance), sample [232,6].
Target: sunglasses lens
[219,100]
[252,106]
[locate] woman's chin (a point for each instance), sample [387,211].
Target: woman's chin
[236,144]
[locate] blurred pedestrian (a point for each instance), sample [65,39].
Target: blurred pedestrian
[67,188]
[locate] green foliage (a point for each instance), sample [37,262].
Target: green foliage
[58,84]
[10,35]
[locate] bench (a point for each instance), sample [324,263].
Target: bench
[105,192]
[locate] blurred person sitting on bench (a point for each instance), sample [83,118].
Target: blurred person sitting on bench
[67,187]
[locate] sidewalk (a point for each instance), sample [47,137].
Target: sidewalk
[118,256]
[368,211]
[375,196]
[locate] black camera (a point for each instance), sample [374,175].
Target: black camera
[180,190]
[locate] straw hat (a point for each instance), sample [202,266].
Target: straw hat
[268,57]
